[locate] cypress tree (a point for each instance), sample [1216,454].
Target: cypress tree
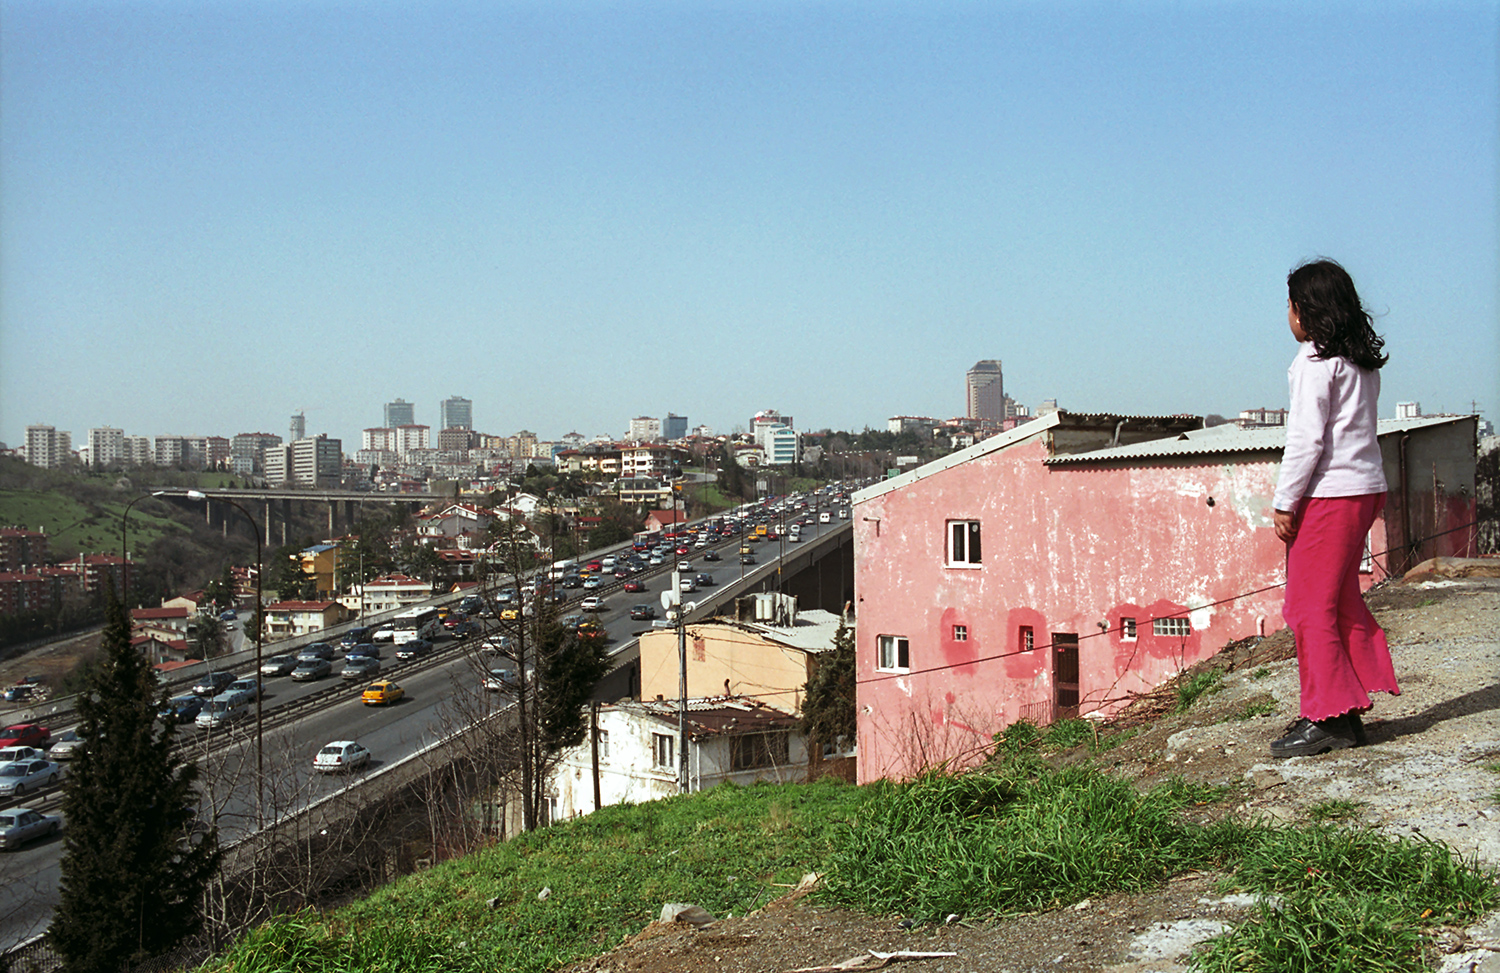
[133,872]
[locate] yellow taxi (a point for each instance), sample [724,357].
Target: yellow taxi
[381,693]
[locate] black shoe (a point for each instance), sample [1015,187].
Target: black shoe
[1358,726]
[1308,737]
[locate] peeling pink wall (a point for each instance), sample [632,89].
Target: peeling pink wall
[1064,549]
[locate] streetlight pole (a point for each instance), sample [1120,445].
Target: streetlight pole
[124,552]
[260,753]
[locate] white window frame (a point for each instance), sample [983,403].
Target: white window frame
[961,544]
[1127,628]
[893,653]
[664,751]
[1171,627]
[960,633]
[603,745]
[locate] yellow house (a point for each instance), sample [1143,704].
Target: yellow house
[741,656]
[320,562]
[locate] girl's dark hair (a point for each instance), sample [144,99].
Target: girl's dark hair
[1333,317]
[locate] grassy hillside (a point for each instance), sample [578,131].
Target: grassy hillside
[1017,837]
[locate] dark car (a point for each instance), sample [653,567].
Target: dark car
[279,665]
[642,613]
[356,636]
[368,650]
[471,604]
[704,579]
[711,555]
[181,709]
[747,558]
[213,683]
[360,667]
[316,650]
[414,649]
[310,669]
[463,630]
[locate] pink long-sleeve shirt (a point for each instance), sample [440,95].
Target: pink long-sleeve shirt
[1331,449]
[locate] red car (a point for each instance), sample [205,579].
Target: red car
[634,586]
[25,735]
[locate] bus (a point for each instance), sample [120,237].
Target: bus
[416,623]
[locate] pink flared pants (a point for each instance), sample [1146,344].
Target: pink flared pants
[1342,655]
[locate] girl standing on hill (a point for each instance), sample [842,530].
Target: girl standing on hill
[1331,487]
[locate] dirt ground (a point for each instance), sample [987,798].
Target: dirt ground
[1423,773]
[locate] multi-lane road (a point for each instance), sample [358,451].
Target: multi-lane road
[441,691]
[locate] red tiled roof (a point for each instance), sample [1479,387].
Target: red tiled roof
[146,614]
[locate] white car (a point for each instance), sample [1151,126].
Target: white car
[12,754]
[20,776]
[64,745]
[19,825]
[340,755]
[593,603]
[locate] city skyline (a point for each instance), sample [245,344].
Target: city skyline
[835,208]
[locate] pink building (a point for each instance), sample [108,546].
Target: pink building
[1061,566]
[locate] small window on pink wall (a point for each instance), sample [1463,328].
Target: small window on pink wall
[1028,638]
[960,633]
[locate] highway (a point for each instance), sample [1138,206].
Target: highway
[441,692]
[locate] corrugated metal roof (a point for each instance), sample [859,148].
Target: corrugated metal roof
[1227,438]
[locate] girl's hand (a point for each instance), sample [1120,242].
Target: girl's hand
[1286,524]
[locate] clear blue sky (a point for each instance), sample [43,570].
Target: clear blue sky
[216,214]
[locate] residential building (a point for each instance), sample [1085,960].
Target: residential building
[523,445]
[48,448]
[164,623]
[400,413]
[663,519]
[643,490]
[1259,418]
[313,462]
[456,413]
[381,438]
[984,391]
[247,451]
[769,417]
[674,427]
[33,589]
[729,739]
[1408,410]
[1063,566]
[920,425]
[21,548]
[176,452]
[394,592]
[412,437]
[644,429]
[106,446]
[756,654]
[321,563]
[287,619]
[460,525]
[656,460]
[138,451]
[778,443]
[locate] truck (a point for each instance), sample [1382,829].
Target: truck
[561,569]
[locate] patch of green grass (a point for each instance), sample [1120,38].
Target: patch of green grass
[1261,673]
[1254,708]
[1065,734]
[1494,768]
[1347,899]
[1206,682]
[1335,810]
[728,849]
[1018,839]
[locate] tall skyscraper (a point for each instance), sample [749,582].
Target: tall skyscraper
[985,388]
[674,427]
[400,413]
[298,429]
[456,413]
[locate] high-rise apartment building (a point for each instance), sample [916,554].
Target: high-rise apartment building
[400,413]
[247,451]
[308,462]
[984,387]
[674,427]
[106,446]
[46,447]
[138,450]
[644,429]
[412,437]
[298,428]
[456,413]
